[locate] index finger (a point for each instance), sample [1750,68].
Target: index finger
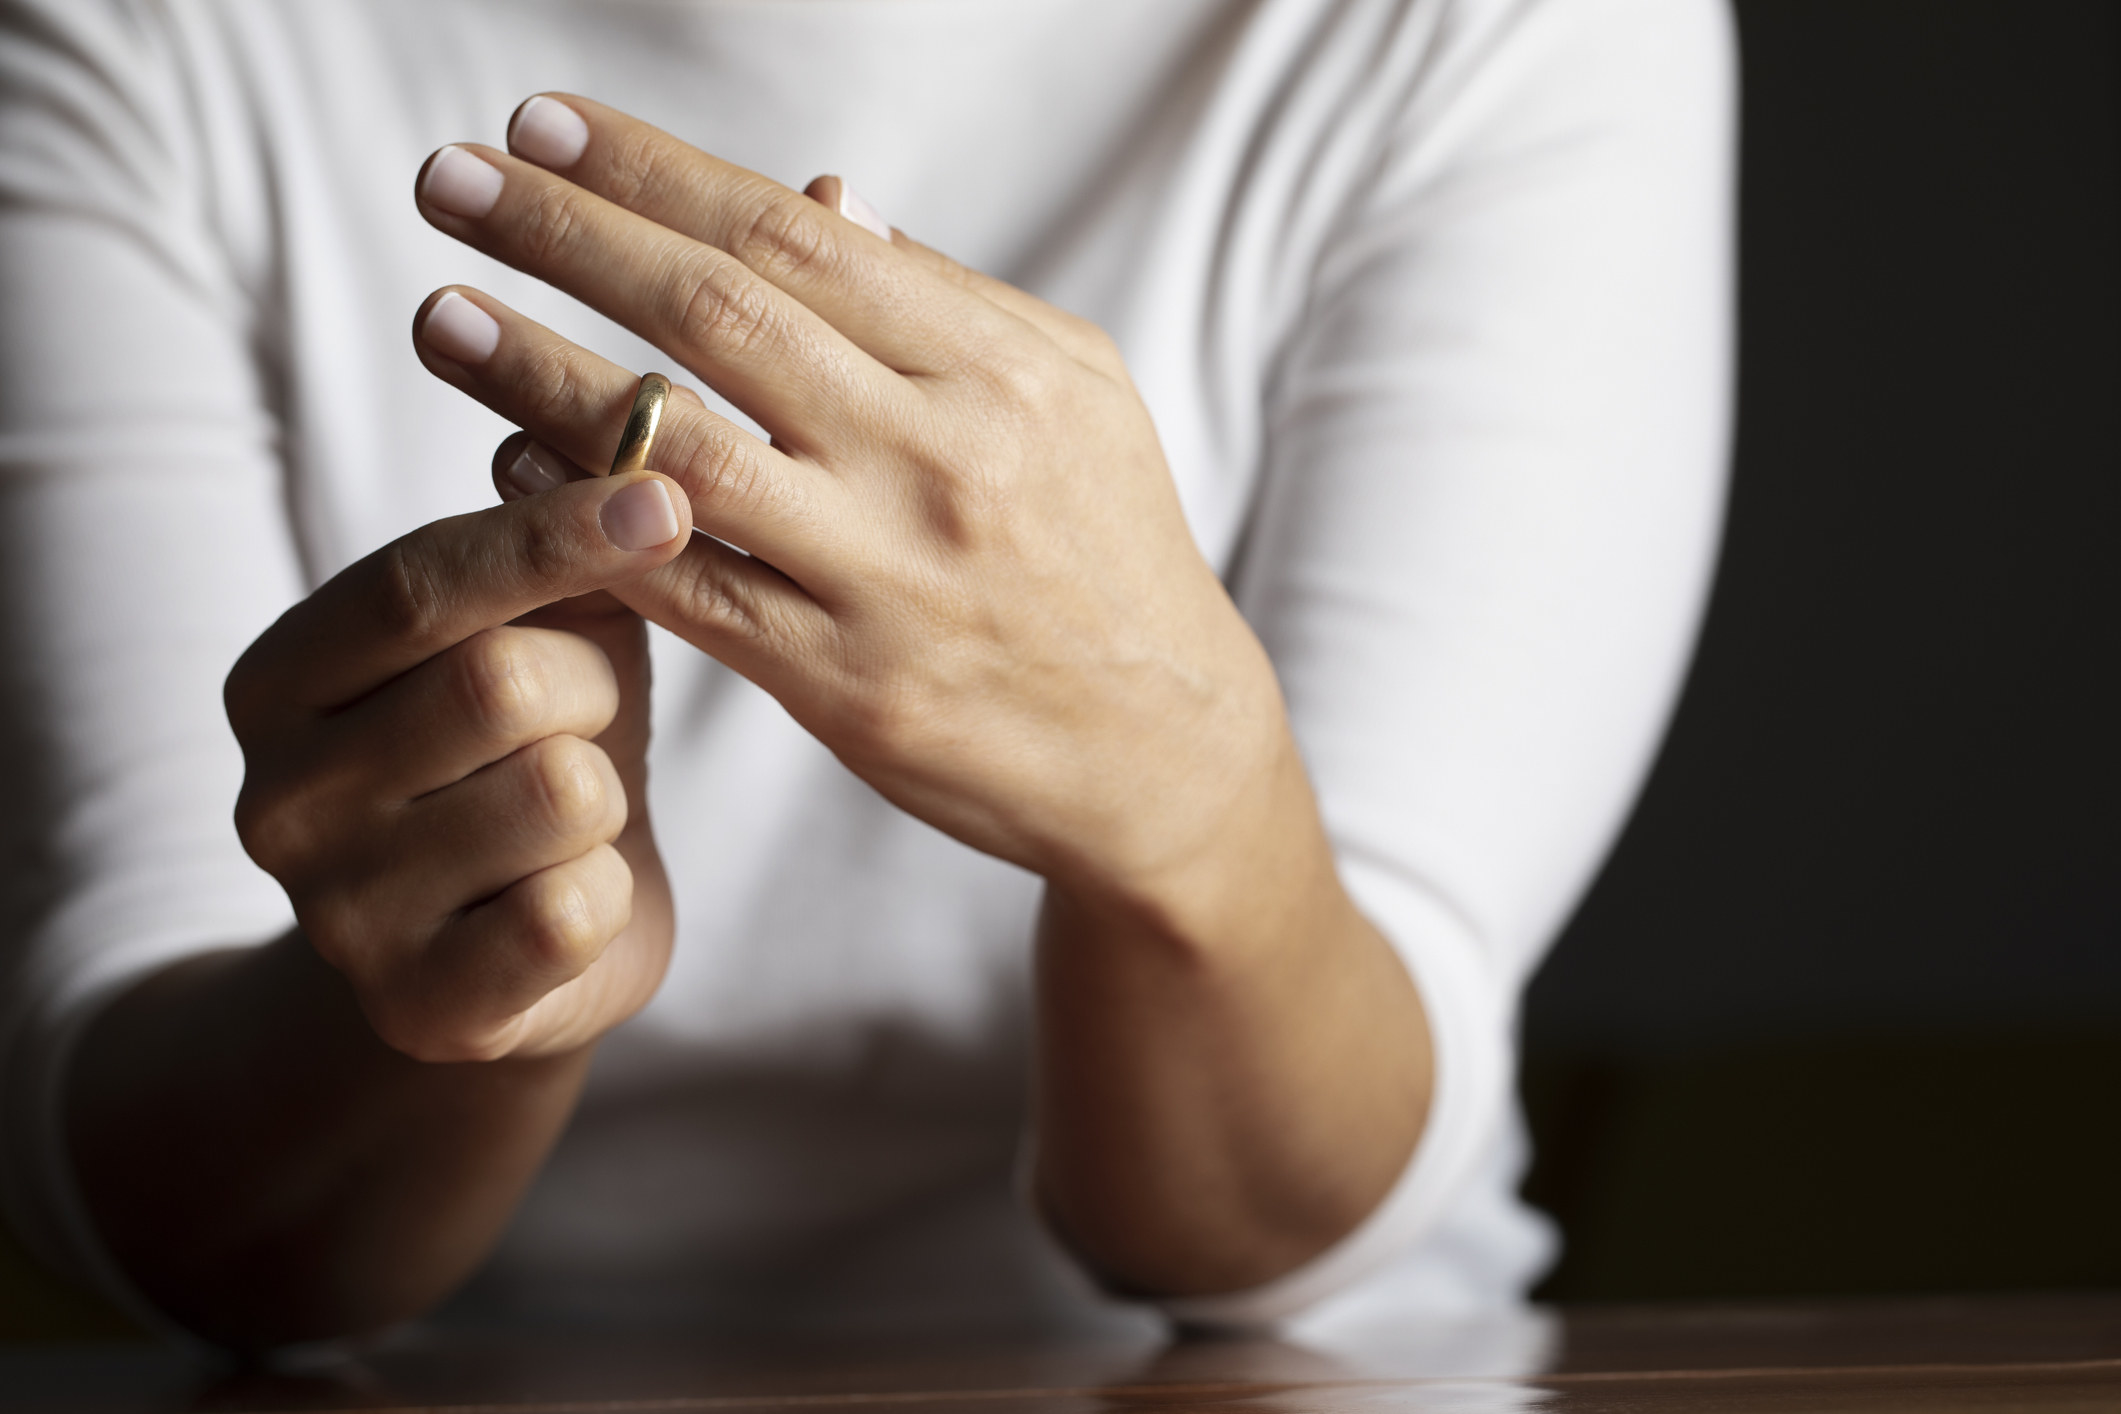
[434,588]
[896,310]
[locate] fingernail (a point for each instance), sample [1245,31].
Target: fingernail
[460,183]
[456,328]
[549,133]
[861,213]
[537,468]
[640,517]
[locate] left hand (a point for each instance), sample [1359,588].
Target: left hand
[973,580]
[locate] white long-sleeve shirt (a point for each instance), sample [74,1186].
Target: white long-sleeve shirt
[1429,299]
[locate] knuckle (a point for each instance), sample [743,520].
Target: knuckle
[547,551]
[550,387]
[410,603]
[501,685]
[566,783]
[727,311]
[784,236]
[1023,379]
[562,928]
[634,168]
[552,224]
[720,470]
[274,830]
[713,598]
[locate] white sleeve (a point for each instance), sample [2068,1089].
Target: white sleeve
[1494,486]
[143,544]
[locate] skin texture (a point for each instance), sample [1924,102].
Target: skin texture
[970,578]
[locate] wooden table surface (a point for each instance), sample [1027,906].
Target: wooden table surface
[1936,1356]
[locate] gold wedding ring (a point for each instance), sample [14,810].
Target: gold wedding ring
[641,423]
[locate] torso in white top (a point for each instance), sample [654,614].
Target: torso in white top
[1428,297]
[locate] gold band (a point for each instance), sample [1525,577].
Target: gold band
[641,424]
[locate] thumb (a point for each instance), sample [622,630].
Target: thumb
[437,586]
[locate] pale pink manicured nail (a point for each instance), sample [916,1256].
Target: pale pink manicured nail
[456,328]
[460,183]
[861,213]
[549,133]
[537,468]
[640,517]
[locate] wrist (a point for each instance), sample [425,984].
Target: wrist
[1252,875]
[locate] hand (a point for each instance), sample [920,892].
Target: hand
[972,578]
[444,751]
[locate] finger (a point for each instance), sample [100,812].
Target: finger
[729,604]
[524,466]
[835,195]
[776,360]
[576,403]
[734,607]
[898,313]
[1082,340]
[542,804]
[463,995]
[746,607]
[474,704]
[448,580]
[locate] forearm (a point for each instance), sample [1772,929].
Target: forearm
[267,1170]
[1228,1085]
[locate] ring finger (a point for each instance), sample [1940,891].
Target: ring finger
[742,490]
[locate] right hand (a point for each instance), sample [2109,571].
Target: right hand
[445,768]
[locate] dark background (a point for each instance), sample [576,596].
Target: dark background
[1844,1011]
